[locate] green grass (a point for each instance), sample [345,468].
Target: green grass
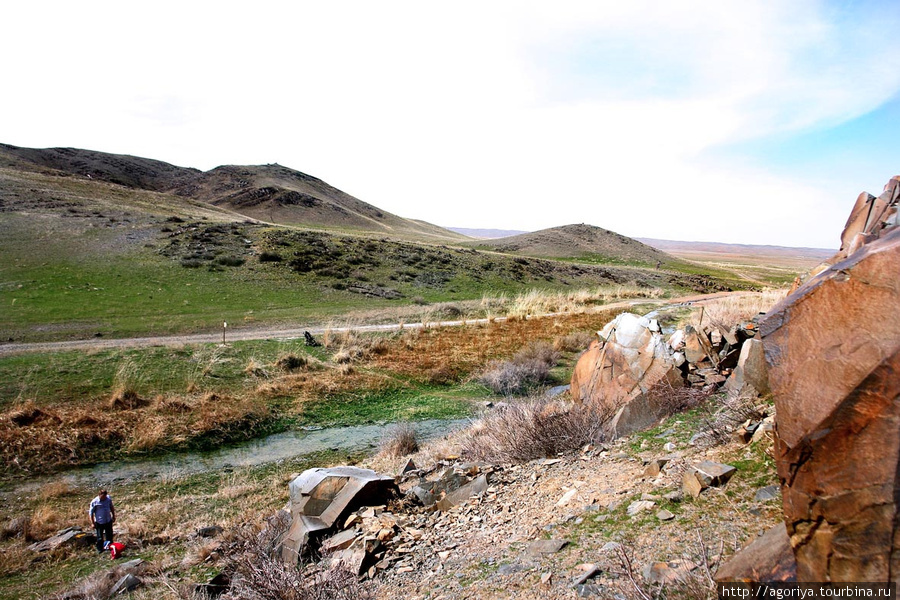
[74,376]
[417,403]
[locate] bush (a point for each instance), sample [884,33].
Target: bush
[270,257]
[519,375]
[230,261]
[399,440]
[191,263]
[291,362]
[533,429]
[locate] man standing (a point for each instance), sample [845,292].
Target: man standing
[103,515]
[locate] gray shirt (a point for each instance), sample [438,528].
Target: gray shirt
[102,510]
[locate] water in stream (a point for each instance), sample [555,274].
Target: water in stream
[276,447]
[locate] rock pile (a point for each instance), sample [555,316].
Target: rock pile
[322,499]
[631,369]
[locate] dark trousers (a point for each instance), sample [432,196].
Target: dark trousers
[104,534]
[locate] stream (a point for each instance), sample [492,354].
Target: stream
[276,447]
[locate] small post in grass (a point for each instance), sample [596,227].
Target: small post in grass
[224,326]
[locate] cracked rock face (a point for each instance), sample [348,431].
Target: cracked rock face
[833,354]
[620,373]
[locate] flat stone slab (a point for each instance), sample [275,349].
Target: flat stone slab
[538,547]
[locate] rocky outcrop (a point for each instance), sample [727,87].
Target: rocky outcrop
[832,350]
[621,371]
[322,498]
[630,372]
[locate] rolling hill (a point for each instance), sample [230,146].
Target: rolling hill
[271,193]
[585,243]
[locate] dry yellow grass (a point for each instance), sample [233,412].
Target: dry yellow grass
[726,312]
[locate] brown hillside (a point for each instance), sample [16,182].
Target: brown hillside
[585,242]
[270,193]
[130,171]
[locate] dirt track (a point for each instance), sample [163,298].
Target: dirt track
[232,335]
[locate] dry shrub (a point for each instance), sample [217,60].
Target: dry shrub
[527,369]
[442,375]
[524,431]
[97,585]
[125,399]
[255,369]
[171,405]
[399,440]
[58,489]
[537,302]
[15,559]
[721,419]
[291,362]
[28,414]
[42,523]
[574,342]
[346,369]
[260,574]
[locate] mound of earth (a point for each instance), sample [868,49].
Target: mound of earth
[585,242]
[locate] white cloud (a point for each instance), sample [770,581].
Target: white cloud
[503,114]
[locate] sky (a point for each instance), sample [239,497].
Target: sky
[752,122]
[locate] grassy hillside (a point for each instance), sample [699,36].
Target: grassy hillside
[271,193]
[584,243]
[88,257]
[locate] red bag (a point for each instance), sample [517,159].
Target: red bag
[115,549]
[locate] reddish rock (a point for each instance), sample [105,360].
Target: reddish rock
[767,558]
[623,372]
[833,354]
[750,370]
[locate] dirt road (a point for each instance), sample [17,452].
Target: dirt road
[243,334]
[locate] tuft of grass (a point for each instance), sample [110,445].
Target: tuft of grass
[399,440]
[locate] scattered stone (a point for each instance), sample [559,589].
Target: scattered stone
[610,547]
[675,496]
[127,583]
[588,571]
[341,541]
[538,547]
[71,536]
[546,578]
[664,573]
[210,531]
[655,466]
[770,492]
[588,590]
[751,369]
[408,466]
[512,568]
[476,487]
[639,506]
[664,515]
[566,497]
[669,447]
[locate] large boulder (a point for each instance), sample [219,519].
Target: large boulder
[322,498]
[621,371]
[832,350]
